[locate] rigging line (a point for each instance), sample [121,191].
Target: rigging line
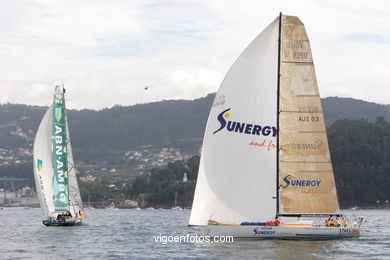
[76,189]
[75,193]
[71,166]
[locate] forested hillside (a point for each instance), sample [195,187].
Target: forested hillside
[176,123]
[361,160]
[360,148]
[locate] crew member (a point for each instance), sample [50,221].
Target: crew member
[60,216]
[68,214]
[337,222]
[80,214]
[345,221]
[327,222]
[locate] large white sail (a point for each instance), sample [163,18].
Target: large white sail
[43,168]
[306,179]
[237,172]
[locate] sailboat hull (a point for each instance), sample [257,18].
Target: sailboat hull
[280,232]
[63,222]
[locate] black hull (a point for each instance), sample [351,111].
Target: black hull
[63,222]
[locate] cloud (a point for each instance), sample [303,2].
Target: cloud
[186,84]
[106,52]
[370,38]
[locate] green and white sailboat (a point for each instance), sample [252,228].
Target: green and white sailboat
[54,169]
[265,169]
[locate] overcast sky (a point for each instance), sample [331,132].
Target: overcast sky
[107,51]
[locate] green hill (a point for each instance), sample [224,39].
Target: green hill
[172,123]
[359,143]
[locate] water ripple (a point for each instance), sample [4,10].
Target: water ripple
[125,234]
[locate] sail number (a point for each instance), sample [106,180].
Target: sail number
[309,118]
[308,109]
[219,101]
[298,55]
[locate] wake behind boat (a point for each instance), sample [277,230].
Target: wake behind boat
[265,169]
[54,171]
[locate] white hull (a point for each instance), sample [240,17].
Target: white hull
[281,232]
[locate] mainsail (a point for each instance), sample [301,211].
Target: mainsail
[242,176]
[59,153]
[306,179]
[75,201]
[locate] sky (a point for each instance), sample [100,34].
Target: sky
[106,51]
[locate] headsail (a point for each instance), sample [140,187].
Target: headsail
[237,172]
[43,169]
[306,179]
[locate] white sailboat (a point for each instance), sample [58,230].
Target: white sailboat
[54,170]
[246,187]
[176,207]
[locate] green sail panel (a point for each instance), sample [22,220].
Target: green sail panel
[59,153]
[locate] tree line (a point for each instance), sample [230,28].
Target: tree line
[360,153]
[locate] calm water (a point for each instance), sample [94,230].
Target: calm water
[128,234]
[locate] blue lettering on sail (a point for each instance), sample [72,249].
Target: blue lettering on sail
[258,231]
[243,128]
[290,181]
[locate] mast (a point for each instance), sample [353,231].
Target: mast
[277,115]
